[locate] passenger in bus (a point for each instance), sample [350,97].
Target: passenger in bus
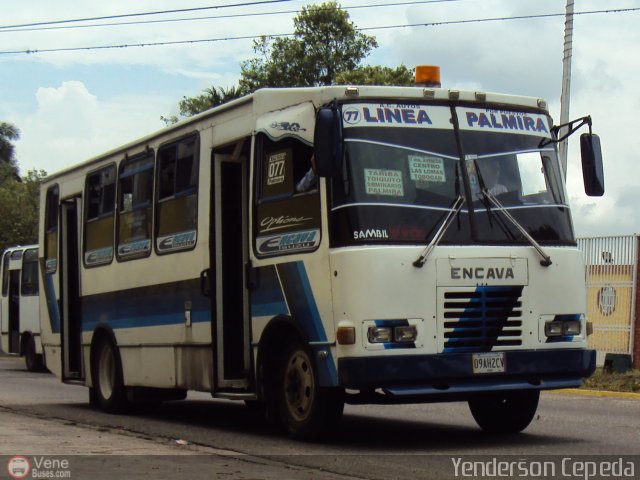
[492,177]
[310,179]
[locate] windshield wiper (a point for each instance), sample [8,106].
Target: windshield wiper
[546,259]
[455,208]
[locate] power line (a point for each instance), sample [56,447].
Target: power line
[246,37]
[210,17]
[142,14]
[495,19]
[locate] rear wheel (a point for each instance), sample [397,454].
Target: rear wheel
[32,360]
[509,412]
[108,391]
[307,411]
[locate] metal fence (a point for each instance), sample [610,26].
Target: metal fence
[611,292]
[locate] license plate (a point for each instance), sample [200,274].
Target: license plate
[492,362]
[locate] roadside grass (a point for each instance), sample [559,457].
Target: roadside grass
[615,382]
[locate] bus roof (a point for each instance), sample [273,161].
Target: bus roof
[273,99]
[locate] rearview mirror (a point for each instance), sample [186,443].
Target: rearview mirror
[592,171]
[327,140]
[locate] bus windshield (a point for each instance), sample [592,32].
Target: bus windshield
[399,180]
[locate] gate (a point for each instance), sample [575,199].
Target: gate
[611,292]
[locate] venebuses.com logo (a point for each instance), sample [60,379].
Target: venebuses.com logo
[19,466]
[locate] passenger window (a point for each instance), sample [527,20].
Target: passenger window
[287,198]
[135,205]
[29,280]
[177,204]
[99,223]
[51,230]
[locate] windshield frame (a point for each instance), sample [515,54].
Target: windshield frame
[557,231]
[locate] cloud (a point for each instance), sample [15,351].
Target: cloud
[71,125]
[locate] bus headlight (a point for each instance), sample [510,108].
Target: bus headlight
[572,327]
[553,329]
[406,333]
[380,334]
[398,334]
[563,328]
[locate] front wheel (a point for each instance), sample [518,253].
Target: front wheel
[108,392]
[508,412]
[307,411]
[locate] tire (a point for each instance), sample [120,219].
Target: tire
[108,392]
[307,412]
[508,412]
[32,360]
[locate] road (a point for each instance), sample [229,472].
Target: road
[374,442]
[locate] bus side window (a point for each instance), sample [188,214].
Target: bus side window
[135,204]
[99,222]
[51,229]
[279,198]
[177,203]
[29,280]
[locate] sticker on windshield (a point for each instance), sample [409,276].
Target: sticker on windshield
[379,181]
[426,169]
[504,121]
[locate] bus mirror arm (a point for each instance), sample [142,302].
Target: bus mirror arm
[590,152]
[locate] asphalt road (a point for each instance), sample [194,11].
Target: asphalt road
[374,442]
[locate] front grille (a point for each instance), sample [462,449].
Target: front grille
[481,319]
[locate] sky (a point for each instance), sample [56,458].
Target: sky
[72,105]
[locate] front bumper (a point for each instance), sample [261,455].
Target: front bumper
[450,375]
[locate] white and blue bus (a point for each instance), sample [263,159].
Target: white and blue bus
[428,255]
[19,305]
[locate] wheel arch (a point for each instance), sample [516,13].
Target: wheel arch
[279,332]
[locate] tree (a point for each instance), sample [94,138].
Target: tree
[325,43]
[19,202]
[211,97]
[8,134]
[378,75]
[325,49]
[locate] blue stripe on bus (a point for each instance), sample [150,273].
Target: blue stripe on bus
[303,307]
[267,299]
[52,303]
[148,306]
[299,296]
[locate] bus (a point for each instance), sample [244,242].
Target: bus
[197,258]
[20,306]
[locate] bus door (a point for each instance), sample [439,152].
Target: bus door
[229,255]
[14,311]
[71,326]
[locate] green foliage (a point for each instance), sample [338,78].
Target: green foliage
[615,382]
[19,202]
[325,43]
[325,49]
[378,75]
[8,134]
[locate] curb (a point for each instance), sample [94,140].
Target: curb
[598,393]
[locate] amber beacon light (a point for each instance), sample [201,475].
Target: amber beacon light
[428,76]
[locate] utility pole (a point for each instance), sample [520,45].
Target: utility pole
[566,81]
